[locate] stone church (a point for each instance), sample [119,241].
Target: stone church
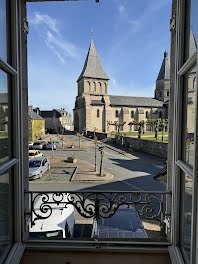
[95,108]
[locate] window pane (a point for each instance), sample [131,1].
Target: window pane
[191,29]
[186,214]
[5,215]
[189,115]
[4,127]
[3,30]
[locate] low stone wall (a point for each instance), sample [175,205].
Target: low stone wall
[142,145]
[99,135]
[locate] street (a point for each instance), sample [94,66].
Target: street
[132,172]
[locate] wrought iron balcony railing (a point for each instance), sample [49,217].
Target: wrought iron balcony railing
[150,206]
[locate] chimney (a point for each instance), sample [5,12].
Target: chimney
[30,108]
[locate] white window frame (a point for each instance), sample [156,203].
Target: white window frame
[178,164]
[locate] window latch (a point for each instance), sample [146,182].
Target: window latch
[25,26]
[172,23]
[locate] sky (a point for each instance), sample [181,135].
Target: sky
[130,37]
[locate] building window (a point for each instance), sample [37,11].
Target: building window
[160,94]
[167,93]
[132,114]
[147,114]
[100,85]
[94,86]
[116,113]
[98,113]
[89,86]
[105,88]
[160,114]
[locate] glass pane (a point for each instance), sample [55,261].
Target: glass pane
[5,215]
[189,115]
[191,29]
[3,30]
[4,127]
[186,214]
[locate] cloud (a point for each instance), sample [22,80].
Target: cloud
[121,10]
[50,22]
[48,30]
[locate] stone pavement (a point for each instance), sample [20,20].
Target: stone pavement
[85,171]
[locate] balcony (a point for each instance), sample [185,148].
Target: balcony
[119,217]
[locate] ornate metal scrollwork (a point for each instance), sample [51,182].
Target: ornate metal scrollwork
[149,205]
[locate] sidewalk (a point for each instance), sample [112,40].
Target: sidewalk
[85,171]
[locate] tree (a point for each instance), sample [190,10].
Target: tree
[132,123]
[163,125]
[140,127]
[156,127]
[151,123]
[118,125]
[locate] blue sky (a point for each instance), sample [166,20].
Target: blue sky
[130,37]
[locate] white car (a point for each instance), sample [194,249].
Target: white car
[125,223]
[59,225]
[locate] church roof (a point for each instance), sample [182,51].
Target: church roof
[92,67]
[192,44]
[116,100]
[34,116]
[164,73]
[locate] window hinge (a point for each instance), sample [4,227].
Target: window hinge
[25,26]
[167,222]
[172,23]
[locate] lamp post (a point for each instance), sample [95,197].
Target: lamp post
[95,141]
[101,149]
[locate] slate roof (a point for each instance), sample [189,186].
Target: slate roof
[46,113]
[92,67]
[164,73]
[61,111]
[116,100]
[34,116]
[3,98]
[192,44]
[97,102]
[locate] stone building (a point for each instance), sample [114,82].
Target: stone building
[56,120]
[36,126]
[95,108]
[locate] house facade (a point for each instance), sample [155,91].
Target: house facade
[56,120]
[96,109]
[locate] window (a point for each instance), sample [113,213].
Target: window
[8,126]
[186,145]
[98,113]
[105,87]
[160,94]
[94,86]
[116,113]
[167,93]
[89,86]
[132,114]
[147,114]
[100,85]
[160,114]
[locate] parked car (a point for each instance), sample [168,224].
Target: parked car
[35,154]
[49,146]
[57,143]
[30,145]
[125,223]
[37,166]
[59,225]
[39,145]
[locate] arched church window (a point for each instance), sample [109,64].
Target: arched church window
[94,87]
[105,87]
[160,114]
[160,94]
[147,114]
[194,83]
[167,93]
[100,85]
[116,113]
[89,85]
[132,114]
[98,113]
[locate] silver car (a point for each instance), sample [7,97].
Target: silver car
[37,166]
